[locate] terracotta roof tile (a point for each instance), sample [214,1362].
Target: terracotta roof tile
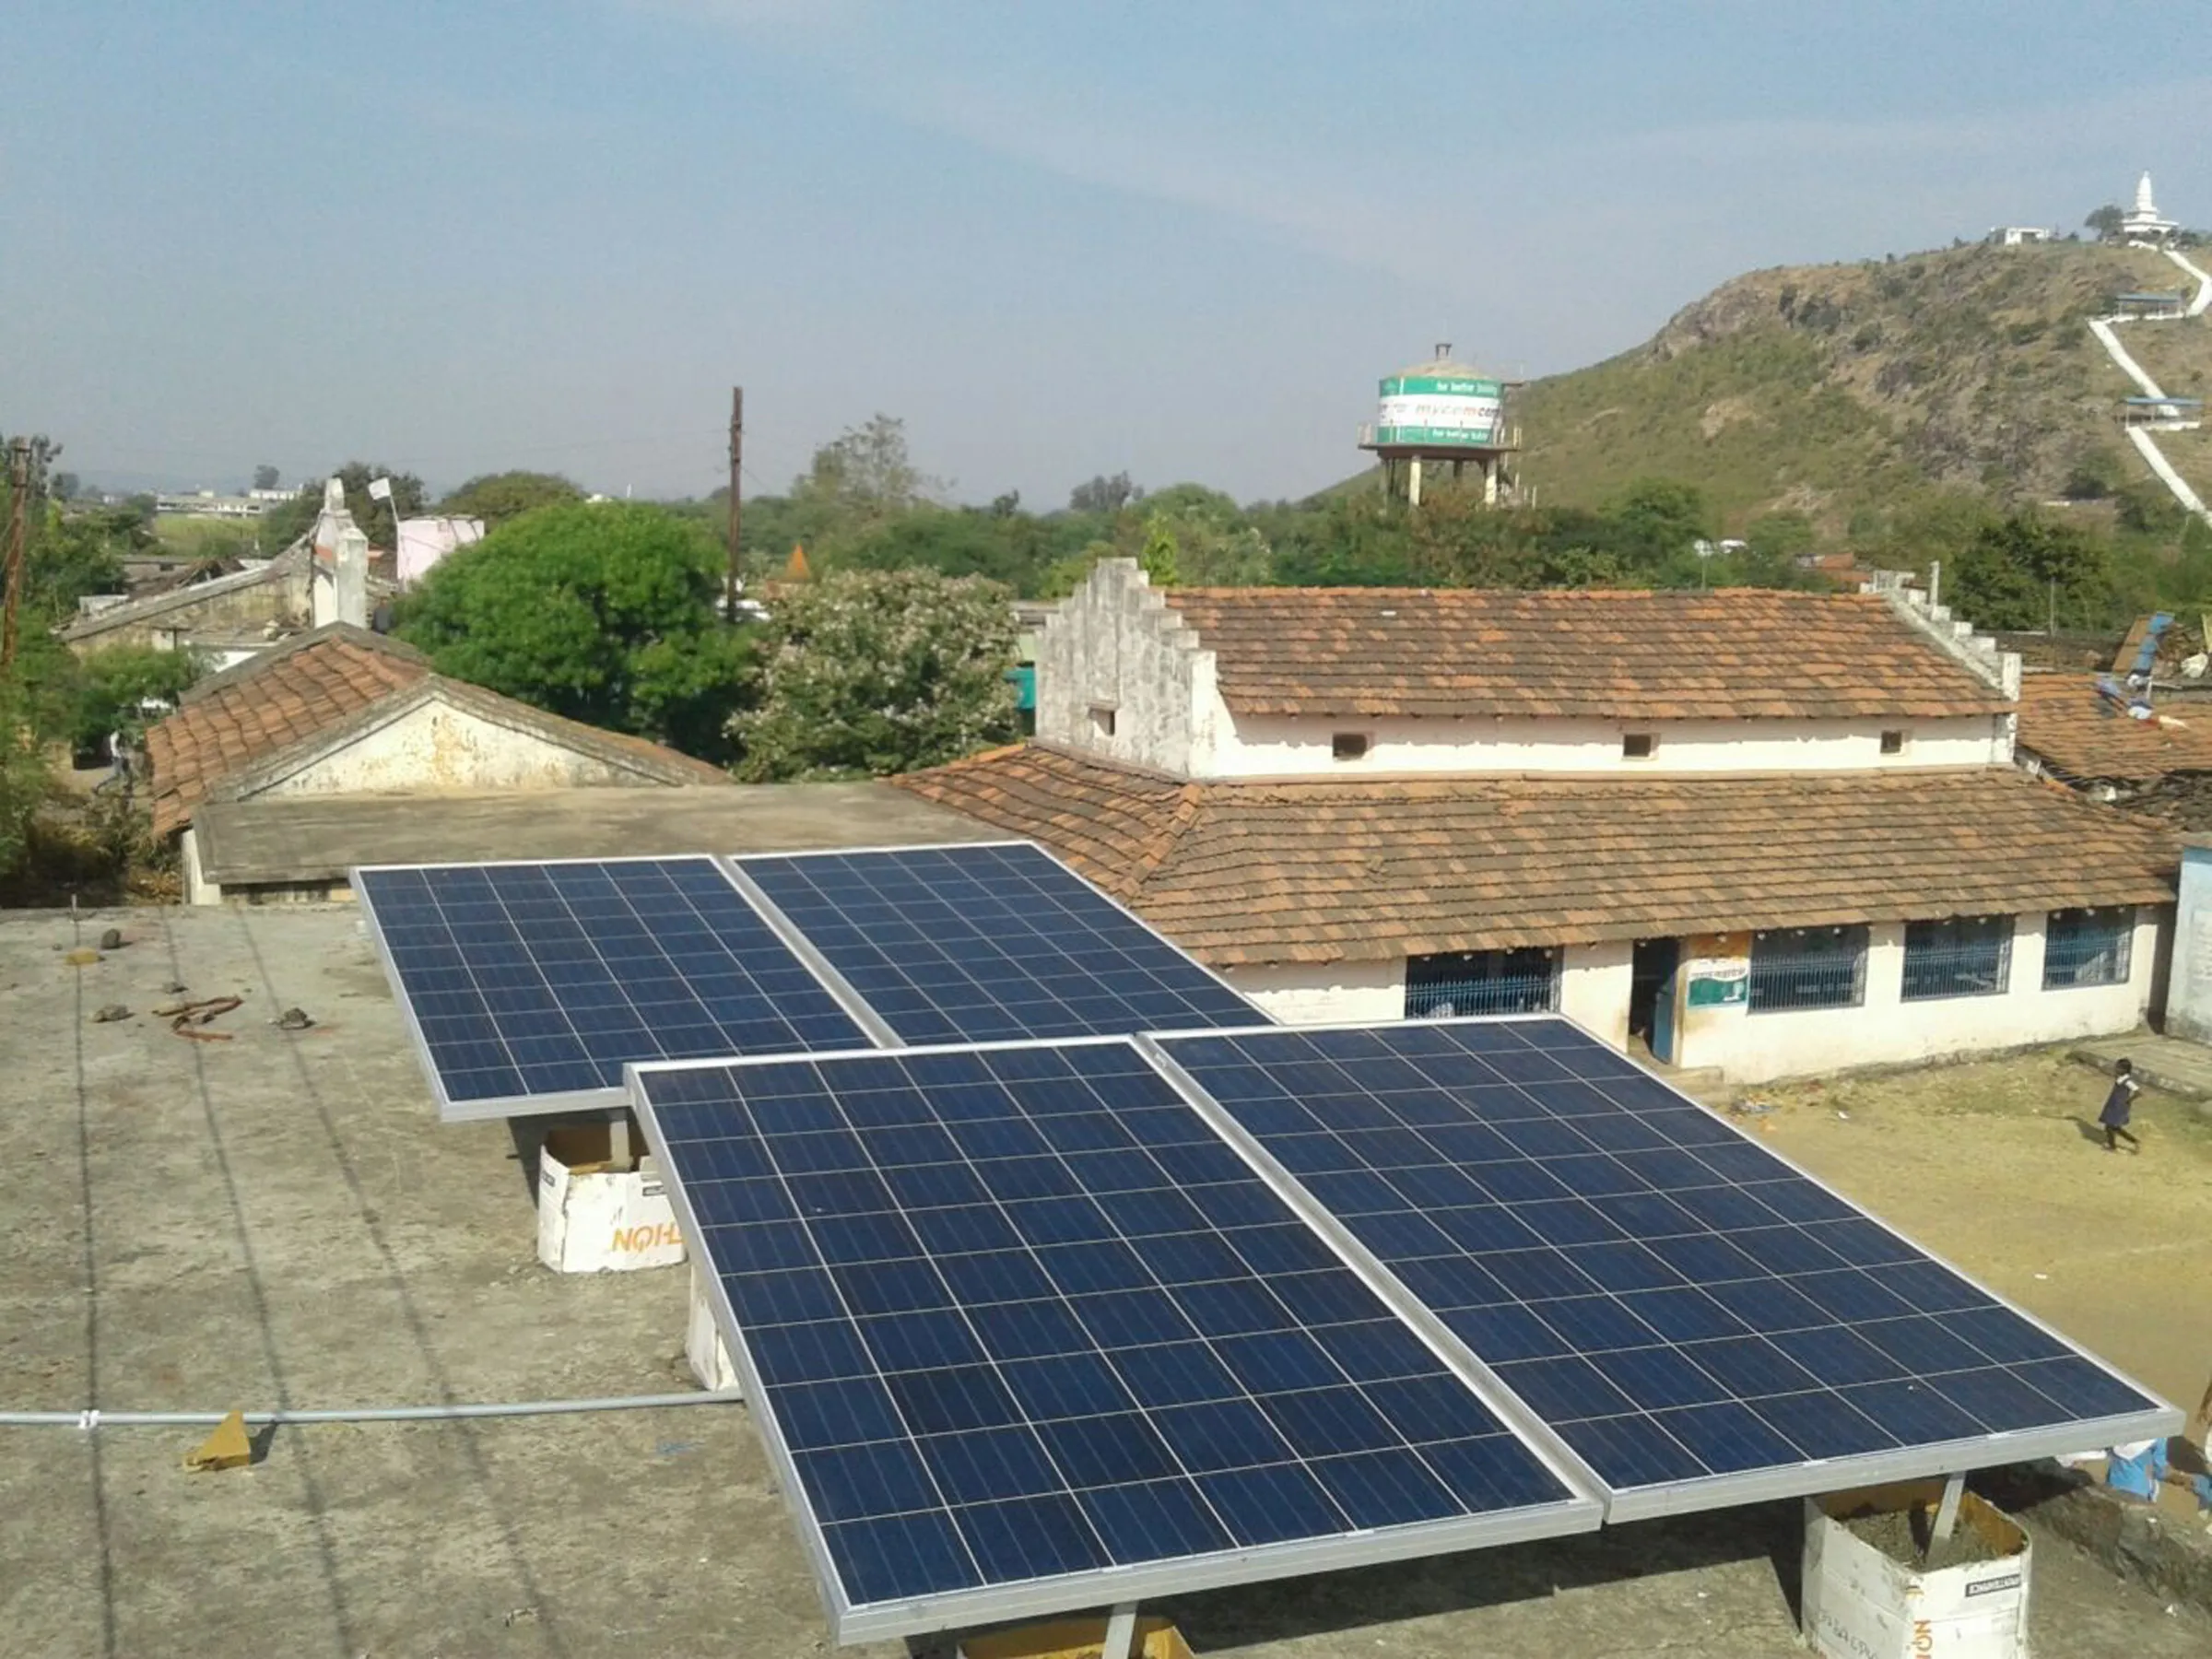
[1250,872]
[327,680]
[1603,654]
[2067,723]
[247,713]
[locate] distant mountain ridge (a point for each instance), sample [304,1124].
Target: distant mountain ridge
[1828,389]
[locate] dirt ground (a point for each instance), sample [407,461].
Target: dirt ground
[279,1221]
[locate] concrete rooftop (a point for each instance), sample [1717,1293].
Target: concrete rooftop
[278,1220]
[274,839]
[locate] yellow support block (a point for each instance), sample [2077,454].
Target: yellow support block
[1074,1639]
[228,1448]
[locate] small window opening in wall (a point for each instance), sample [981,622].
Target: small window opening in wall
[1893,743]
[1101,720]
[1638,746]
[1349,746]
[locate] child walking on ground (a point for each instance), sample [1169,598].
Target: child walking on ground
[2116,1105]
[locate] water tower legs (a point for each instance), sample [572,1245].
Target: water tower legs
[1413,484]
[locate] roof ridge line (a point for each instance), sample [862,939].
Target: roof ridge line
[1162,842]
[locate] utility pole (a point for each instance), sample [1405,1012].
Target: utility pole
[729,586]
[27,459]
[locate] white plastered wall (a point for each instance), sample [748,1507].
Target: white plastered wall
[1594,990]
[1887,1030]
[1277,746]
[1300,994]
[435,747]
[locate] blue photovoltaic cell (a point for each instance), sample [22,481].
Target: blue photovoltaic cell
[546,979]
[983,944]
[1676,1302]
[1021,1312]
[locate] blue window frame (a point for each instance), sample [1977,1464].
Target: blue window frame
[1482,981]
[1808,968]
[1959,956]
[2088,947]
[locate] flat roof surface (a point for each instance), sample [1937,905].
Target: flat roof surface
[278,1220]
[257,842]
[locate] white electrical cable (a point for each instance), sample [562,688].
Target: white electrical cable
[92,1419]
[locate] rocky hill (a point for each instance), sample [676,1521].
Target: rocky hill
[1829,389]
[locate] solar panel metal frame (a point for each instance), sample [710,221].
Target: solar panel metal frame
[1715,1491]
[1581,1512]
[614,1095]
[787,927]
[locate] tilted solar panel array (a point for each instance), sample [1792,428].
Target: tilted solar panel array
[1090,1314]
[990,942]
[1681,1306]
[531,985]
[1018,1316]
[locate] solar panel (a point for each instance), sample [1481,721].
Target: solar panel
[1023,1335]
[529,986]
[1699,1321]
[990,942]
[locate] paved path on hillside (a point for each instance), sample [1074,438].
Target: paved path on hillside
[2146,445]
[2203,302]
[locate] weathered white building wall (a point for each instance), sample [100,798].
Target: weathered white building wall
[1277,746]
[1299,994]
[1594,985]
[1594,990]
[1115,655]
[2189,992]
[1886,1029]
[435,747]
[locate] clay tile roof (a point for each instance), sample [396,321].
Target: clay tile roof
[1601,654]
[325,684]
[2068,726]
[1329,870]
[232,719]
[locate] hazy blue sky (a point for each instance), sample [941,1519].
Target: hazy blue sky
[1177,237]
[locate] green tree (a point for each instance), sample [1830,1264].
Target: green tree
[1659,520]
[1105,494]
[24,777]
[605,612]
[1157,556]
[496,497]
[2105,221]
[866,673]
[2021,572]
[866,471]
[114,685]
[1781,534]
[80,552]
[265,477]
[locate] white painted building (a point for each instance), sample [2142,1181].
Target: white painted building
[2144,222]
[1764,832]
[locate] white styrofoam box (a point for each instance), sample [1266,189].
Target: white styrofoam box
[595,1218]
[702,1340]
[1859,1604]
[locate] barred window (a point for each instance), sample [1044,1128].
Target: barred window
[2088,947]
[1962,956]
[1808,968]
[1482,981]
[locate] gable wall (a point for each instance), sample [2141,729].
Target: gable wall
[436,747]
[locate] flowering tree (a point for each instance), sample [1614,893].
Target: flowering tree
[866,673]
